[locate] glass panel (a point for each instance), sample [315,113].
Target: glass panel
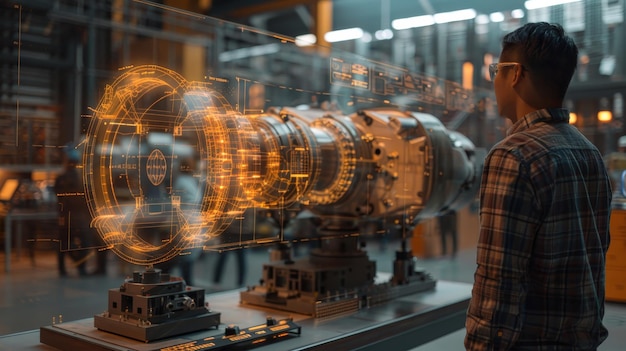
[196,133]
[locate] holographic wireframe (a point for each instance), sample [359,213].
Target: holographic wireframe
[169,164]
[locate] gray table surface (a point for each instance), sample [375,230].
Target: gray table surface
[399,324]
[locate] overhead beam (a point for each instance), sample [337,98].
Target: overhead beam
[323,14]
[266,6]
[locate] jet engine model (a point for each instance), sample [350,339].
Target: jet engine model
[169,164]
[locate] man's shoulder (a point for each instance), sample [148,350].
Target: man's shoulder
[535,144]
[521,141]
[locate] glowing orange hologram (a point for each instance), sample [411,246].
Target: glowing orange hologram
[169,165]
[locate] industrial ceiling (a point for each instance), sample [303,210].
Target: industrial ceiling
[296,17]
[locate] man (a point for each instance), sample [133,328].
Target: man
[544,210]
[74,231]
[616,164]
[447,229]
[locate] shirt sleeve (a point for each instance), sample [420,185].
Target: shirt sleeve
[509,217]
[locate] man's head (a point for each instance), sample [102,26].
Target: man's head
[546,60]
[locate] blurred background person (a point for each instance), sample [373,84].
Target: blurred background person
[251,225]
[27,198]
[221,262]
[232,234]
[187,187]
[616,164]
[447,230]
[74,215]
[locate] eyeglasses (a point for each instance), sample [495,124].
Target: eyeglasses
[494,67]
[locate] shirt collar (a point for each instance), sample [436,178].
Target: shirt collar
[548,115]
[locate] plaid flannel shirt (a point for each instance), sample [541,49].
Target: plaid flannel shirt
[544,231]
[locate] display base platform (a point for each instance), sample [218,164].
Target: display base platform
[400,324]
[81,335]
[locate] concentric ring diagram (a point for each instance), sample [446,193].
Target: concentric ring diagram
[167,164]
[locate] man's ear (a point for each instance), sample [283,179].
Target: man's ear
[518,74]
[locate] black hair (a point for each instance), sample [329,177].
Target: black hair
[549,55]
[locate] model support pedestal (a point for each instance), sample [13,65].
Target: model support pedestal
[152,306]
[334,282]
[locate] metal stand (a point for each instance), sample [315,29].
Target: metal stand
[152,306]
[337,278]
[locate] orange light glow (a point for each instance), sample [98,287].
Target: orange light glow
[468,76]
[572,118]
[605,116]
